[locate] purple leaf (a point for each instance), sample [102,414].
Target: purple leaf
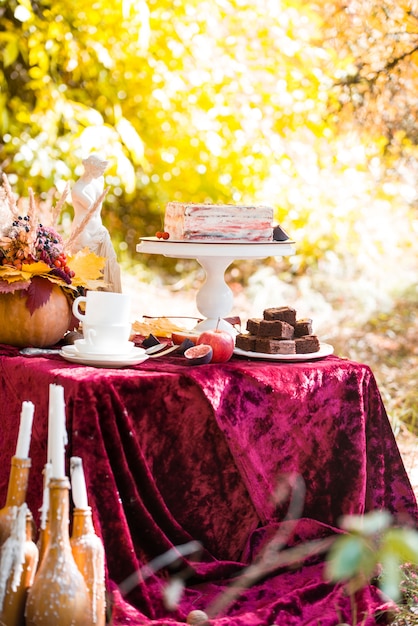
[38,293]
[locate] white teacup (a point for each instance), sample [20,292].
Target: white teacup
[105,339]
[103,307]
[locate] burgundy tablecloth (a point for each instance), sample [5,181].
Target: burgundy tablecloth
[174,453]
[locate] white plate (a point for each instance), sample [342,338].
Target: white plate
[325,349]
[135,356]
[234,249]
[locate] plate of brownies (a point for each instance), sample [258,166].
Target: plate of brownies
[279,335]
[325,349]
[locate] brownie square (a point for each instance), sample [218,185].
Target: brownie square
[303,327]
[245,341]
[283,313]
[253,324]
[275,346]
[276,329]
[307,344]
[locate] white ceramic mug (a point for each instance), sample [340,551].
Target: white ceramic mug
[103,307]
[105,339]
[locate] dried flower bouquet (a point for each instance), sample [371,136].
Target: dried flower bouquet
[33,255]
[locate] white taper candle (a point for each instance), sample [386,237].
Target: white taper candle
[25,430]
[57,437]
[78,483]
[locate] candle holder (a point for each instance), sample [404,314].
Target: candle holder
[22,573]
[59,593]
[16,494]
[88,552]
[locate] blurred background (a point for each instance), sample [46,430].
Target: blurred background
[308,107]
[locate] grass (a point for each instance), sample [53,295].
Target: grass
[388,342]
[408,611]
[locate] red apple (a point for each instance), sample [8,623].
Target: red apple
[178,337]
[221,342]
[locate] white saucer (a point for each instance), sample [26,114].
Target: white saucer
[81,343]
[133,357]
[325,350]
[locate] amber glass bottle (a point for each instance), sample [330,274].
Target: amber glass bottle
[59,594]
[43,541]
[88,553]
[16,494]
[13,609]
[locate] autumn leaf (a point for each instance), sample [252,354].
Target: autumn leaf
[38,293]
[34,269]
[12,274]
[11,287]
[88,267]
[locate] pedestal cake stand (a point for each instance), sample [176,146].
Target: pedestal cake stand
[214,299]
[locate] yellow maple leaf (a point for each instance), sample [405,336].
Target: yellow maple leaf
[34,269]
[13,275]
[88,267]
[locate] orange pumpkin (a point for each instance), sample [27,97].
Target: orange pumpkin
[44,327]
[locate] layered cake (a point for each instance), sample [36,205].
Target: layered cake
[218,222]
[279,332]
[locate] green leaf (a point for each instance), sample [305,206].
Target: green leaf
[348,557]
[368,524]
[390,580]
[402,542]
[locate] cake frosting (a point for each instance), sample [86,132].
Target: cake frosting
[218,222]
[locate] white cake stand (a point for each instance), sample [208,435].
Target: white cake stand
[214,299]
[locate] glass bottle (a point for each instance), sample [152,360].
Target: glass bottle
[89,555]
[59,594]
[44,527]
[21,576]
[43,540]
[16,494]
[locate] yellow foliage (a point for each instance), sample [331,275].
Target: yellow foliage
[88,268]
[12,274]
[240,101]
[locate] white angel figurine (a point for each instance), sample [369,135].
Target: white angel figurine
[87,228]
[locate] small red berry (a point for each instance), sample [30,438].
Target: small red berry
[165,235]
[158,234]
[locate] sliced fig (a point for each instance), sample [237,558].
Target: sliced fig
[149,341]
[199,355]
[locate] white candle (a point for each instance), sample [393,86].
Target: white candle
[25,430]
[78,483]
[57,435]
[50,429]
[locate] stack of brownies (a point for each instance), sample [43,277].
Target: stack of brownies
[278,332]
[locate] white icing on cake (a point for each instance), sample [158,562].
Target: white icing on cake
[201,222]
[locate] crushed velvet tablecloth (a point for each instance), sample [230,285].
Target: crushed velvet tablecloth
[174,453]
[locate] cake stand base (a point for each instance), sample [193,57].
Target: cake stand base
[215,299]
